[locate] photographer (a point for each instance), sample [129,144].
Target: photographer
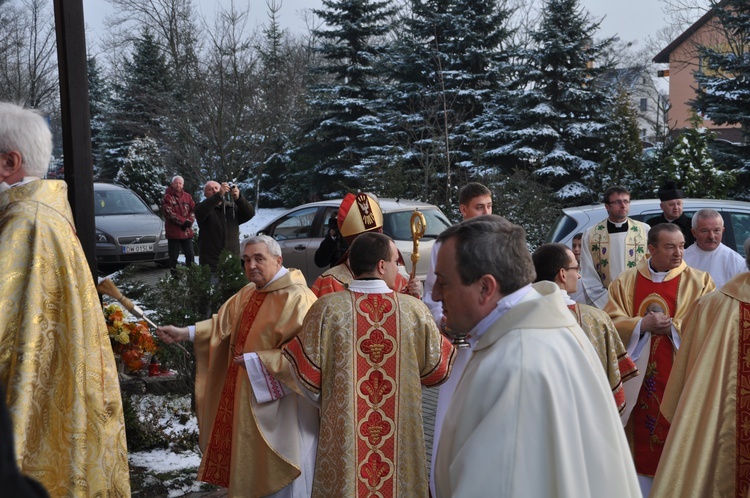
[219,217]
[333,247]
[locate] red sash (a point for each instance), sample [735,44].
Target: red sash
[742,473]
[218,457]
[650,428]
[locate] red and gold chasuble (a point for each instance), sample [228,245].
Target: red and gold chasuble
[216,462]
[649,427]
[367,355]
[742,475]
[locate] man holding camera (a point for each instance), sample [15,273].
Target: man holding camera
[177,207]
[219,218]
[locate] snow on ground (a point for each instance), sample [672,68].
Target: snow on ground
[175,467]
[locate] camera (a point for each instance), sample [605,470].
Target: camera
[333,224]
[231,185]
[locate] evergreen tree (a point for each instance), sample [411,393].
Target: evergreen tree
[99,107]
[141,104]
[447,66]
[282,83]
[345,128]
[560,109]
[622,162]
[143,170]
[691,165]
[724,93]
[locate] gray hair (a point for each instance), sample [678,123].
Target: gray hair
[26,131]
[492,245]
[175,177]
[274,249]
[706,214]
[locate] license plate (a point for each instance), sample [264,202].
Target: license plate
[137,248]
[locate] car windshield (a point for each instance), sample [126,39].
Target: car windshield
[563,226]
[114,202]
[397,225]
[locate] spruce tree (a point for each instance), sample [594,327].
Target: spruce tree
[724,93]
[143,170]
[446,66]
[100,106]
[622,162]
[560,108]
[345,128]
[691,165]
[141,105]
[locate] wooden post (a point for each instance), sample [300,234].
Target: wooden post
[76,127]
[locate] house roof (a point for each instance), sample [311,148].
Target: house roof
[663,56]
[628,77]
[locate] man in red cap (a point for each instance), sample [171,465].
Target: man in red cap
[359,214]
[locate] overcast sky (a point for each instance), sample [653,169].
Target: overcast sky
[631,20]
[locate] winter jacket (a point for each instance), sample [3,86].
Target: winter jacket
[178,214]
[219,227]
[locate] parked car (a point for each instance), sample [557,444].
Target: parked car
[300,231]
[127,229]
[736,216]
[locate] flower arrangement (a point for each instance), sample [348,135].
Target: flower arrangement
[130,339]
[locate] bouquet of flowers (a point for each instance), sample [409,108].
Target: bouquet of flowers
[130,339]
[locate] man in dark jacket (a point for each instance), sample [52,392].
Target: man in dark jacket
[219,222]
[671,206]
[178,207]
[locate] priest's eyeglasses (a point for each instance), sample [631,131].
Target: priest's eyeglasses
[576,268]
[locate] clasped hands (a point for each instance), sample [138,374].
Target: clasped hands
[657,323]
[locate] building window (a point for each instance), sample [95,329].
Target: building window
[644,105]
[643,133]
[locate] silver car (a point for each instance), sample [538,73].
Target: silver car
[736,216]
[127,230]
[300,231]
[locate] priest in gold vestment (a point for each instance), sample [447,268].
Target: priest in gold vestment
[56,362]
[363,355]
[648,305]
[708,399]
[255,450]
[556,263]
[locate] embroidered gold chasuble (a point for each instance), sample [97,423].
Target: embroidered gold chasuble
[366,355]
[56,361]
[708,400]
[603,336]
[236,454]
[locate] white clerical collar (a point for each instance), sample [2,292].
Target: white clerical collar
[618,225]
[26,179]
[503,305]
[282,271]
[657,276]
[376,286]
[566,297]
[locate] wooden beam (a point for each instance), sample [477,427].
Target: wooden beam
[76,127]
